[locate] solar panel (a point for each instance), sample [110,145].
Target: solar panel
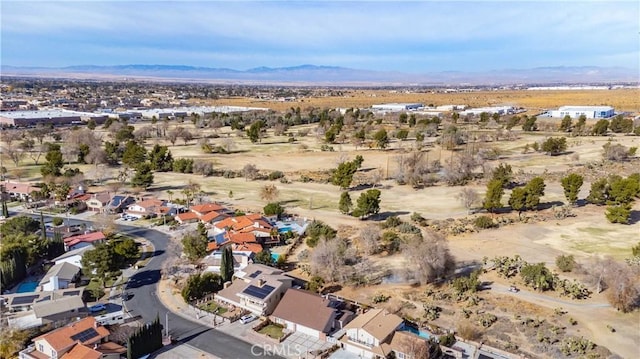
[85,335]
[73,292]
[24,300]
[258,292]
[255,274]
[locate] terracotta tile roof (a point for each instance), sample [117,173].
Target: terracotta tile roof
[187,216]
[210,216]
[377,322]
[60,339]
[227,222]
[251,247]
[305,308]
[86,237]
[242,237]
[82,352]
[111,347]
[206,208]
[212,246]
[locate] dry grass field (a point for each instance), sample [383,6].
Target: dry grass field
[586,235]
[620,99]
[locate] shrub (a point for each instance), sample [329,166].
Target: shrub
[392,222]
[484,222]
[57,221]
[317,230]
[565,263]
[275,175]
[447,340]
[326,148]
[408,228]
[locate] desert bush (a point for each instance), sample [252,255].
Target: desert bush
[484,222]
[275,175]
[565,263]
[408,228]
[468,331]
[392,222]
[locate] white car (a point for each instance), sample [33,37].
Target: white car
[247,318]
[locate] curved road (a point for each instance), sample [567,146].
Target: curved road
[145,303]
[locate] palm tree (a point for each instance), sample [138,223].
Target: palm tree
[170,194]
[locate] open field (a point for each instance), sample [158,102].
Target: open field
[586,235]
[621,99]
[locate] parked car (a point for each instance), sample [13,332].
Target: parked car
[514,289]
[247,318]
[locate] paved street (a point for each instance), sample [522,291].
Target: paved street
[145,303]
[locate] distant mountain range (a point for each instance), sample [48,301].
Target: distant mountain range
[330,75]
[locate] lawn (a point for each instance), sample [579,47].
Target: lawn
[274,331]
[212,307]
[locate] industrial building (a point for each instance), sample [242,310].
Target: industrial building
[590,112]
[501,110]
[397,107]
[55,117]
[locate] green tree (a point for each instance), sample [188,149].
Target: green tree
[345,203]
[143,177]
[503,173]
[318,230]
[554,146]
[381,138]
[402,134]
[161,159]
[315,284]
[600,128]
[255,131]
[571,185]
[226,264]
[200,285]
[619,214]
[534,190]
[565,125]
[530,124]
[125,133]
[134,154]
[493,197]
[264,257]
[53,161]
[343,175]
[619,124]
[368,203]
[599,192]
[537,276]
[582,121]
[622,190]
[194,246]
[99,261]
[518,199]
[91,124]
[127,249]
[19,225]
[273,209]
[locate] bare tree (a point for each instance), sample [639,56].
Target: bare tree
[15,155]
[228,144]
[216,124]
[186,136]
[203,167]
[96,156]
[413,347]
[250,171]
[414,169]
[10,136]
[369,239]
[36,152]
[269,192]
[174,134]
[430,257]
[328,260]
[468,197]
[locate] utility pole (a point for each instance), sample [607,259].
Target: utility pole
[166,319]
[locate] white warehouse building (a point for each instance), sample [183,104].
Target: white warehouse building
[589,111]
[397,106]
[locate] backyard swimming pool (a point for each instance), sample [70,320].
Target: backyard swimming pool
[27,287]
[416,331]
[284,229]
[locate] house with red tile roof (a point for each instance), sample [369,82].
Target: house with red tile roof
[213,217]
[147,208]
[187,217]
[202,209]
[83,240]
[81,339]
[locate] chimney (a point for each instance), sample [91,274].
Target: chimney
[55,282]
[261,282]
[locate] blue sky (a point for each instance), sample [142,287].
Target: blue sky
[408,36]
